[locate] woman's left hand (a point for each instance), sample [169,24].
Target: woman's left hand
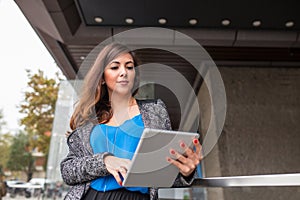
[187,162]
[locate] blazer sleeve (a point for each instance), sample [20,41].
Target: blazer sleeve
[79,167]
[185,181]
[164,115]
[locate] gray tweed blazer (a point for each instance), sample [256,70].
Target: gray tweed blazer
[81,165]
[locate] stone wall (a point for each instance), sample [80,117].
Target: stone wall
[261,133]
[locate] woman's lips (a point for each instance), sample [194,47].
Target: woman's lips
[123,82]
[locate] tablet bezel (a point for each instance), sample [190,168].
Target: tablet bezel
[149,167]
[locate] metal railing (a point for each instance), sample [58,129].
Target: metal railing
[249,181]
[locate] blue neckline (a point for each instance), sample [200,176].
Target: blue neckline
[133,118]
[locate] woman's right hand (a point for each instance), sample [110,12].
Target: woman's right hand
[117,167]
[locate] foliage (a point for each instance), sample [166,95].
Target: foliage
[38,108]
[2,122]
[5,142]
[20,158]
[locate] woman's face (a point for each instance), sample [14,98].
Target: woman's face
[119,75]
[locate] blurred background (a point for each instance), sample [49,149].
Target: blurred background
[255,46]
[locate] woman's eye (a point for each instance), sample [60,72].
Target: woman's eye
[114,68]
[130,67]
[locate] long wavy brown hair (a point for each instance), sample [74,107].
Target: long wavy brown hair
[94,105]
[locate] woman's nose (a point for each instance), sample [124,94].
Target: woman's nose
[123,71]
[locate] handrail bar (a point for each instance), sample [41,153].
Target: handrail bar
[249,181]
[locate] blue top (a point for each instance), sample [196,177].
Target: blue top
[121,141]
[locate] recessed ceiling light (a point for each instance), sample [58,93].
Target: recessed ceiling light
[289,24]
[98,19]
[193,21]
[256,23]
[82,57]
[129,20]
[162,21]
[225,22]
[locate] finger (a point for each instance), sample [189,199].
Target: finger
[193,157]
[174,162]
[183,169]
[177,155]
[123,171]
[123,174]
[198,147]
[188,161]
[117,177]
[188,151]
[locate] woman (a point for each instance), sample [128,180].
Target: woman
[107,123]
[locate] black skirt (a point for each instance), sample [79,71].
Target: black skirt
[120,194]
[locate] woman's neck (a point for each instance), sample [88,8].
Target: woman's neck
[124,108]
[119,103]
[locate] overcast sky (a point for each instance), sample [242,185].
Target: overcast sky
[20,49]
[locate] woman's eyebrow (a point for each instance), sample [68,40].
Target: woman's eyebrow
[129,62]
[117,62]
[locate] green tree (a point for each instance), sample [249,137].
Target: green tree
[38,108]
[5,141]
[20,158]
[2,122]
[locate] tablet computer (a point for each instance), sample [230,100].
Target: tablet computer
[149,167]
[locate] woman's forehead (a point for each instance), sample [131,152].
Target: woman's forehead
[123,57]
